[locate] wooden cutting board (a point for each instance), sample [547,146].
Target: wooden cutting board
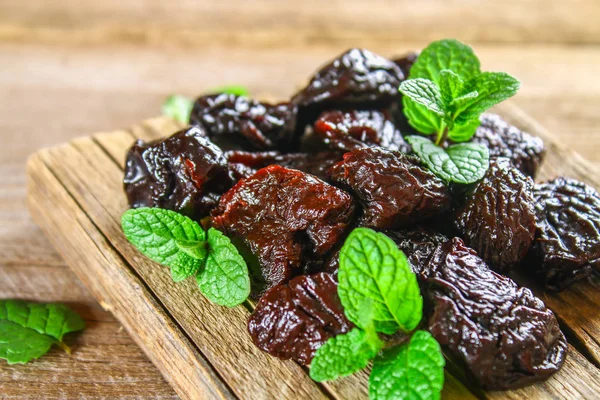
[75,194]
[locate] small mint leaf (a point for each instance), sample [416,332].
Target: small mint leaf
[492,88]
[446,54]
[155,232]
[224,280]
[424,92]
[464,133]
[413,370]
[28,330]
[372,268]
[451,86]
[461,163]
[178,107]
[420,118]
[344,354]
[193,248]
[184,266]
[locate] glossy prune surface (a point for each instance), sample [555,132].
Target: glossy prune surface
[348,130]
[392,189]
[184,172]
[502,334]
[567,240]
[291,321]
[526,152]
[356,78]
[286,218]
[418,245]
[498,217]
[237,122]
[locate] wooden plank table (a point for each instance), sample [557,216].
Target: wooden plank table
[69,70]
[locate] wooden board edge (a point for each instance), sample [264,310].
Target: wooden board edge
[163,338]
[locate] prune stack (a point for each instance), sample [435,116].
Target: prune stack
[287,183]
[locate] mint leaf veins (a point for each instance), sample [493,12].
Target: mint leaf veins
[176,241]
[28,330]
[373,269]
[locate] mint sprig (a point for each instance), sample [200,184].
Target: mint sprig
[416,367]
[445,95]
[176,241]
[29,330]
[373,269]
[375,280]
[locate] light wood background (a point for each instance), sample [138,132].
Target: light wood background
[71,68]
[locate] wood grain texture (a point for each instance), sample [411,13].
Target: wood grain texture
[274,22]
[81,182]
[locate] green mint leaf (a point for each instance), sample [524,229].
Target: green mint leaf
[424,92]
[224,280]
[28,330]
[446,54]
[464,133]
[420,118]
[166,237]
[373,268]
[178,107]
[412,371]
[451,86]
[344,354]
[237,90]
[461,163]
[492,88]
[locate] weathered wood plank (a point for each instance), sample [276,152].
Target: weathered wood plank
[116,287]
[272,22]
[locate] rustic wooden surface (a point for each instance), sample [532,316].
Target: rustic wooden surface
[71,68]
[204,350]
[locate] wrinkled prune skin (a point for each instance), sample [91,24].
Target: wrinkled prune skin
[498,218]
[406,62]
[526,152]
[237,122]
[418,245]
[392,188]
[291,321]
[503,335]
[357,79]
[567,240]
[285,217]
[184,172]
[243,163]
[348,130]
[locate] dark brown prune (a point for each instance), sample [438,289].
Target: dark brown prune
[498,218]
[567,240]
[245,163]
[502,334]
[355,78]
[406,62]
[184,172]
[504,140]
[392,188]
[418,245]
[291,321]
[348,130]
[285,217]
[237,122]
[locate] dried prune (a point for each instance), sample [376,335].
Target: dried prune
[355,78]
[418,245]
[567,240]
[237,122]
[406,62]
[502,334]
[504,140]
[243,163]
[184,172]
[293,320]
[498,218]
[348,130]
[285,217]
[392,188]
